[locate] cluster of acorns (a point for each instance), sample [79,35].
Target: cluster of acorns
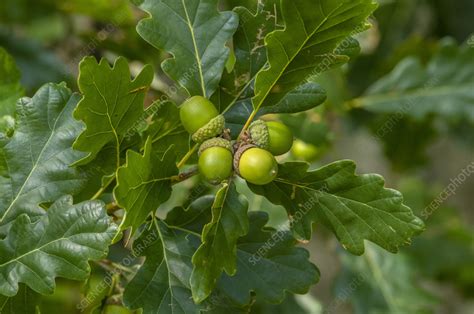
[251,156]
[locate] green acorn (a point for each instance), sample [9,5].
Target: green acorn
[215,160]
[259,134]
[255,164]
[210,130]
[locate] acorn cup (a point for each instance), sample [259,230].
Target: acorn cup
[211,129]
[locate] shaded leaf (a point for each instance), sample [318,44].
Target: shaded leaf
[268,265]
[443,87]
[405,140]
[355,208]
[261,254]
[165,129]
[195,33]
[306,47]
[194,217]
[162,283]
[36,160]
[59,244]
[24,302]
[111,104]
[37,64]
[219,237]
[384,283]
[144,183]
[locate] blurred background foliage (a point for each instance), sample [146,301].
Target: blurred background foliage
[417,154]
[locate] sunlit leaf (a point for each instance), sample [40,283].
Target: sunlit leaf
[195,33]
[144,183]
[110,106]
[36,161]
[355,208]
[219,248]
[59,244]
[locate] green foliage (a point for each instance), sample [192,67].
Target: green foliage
[165,129]
[380,282]
[110,106]
[218,250]
[443,87]
[236,87]
[162,283]
[306,46]
[354,207]
[103,10]
[249,53]
[200,248]
[195,33]
[35,163]
[169,261]
[117,11]
[37,64]
[261,254]
[396,135]
[24,301]
[142,183]
[59,244]
[302,98]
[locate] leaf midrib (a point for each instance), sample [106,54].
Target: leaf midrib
[257,107]
[305,187]
[165,259]
[40,249]
[196,51]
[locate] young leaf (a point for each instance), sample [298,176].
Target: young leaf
[162,283]
[219,239]
[110,106]
[313,30]
[195,33]
[354,207]
[59,244]
[268,265]
[35,167]
[143,183]
[10,88]
[442,87]
[386,283]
